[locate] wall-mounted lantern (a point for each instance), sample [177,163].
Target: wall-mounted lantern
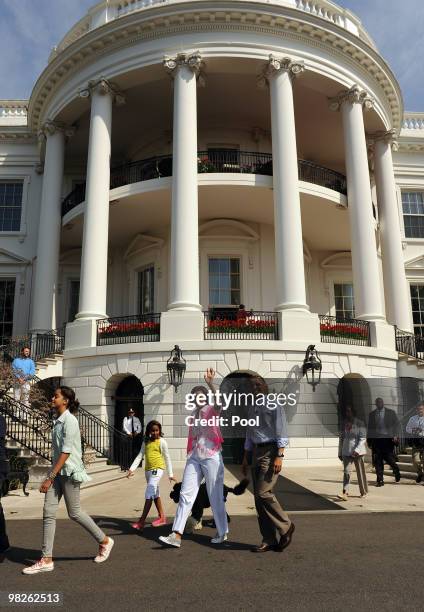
[312,366]
[176,367]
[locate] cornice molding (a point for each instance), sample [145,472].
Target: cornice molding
[137,27]
[13,136]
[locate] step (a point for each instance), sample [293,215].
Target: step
[406,475]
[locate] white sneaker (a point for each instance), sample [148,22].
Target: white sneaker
[219,539]
[40,566]
[171,540]
[104,551]
[192,525]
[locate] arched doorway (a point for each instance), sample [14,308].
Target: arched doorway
[353,389]
[234,437]
[129,394]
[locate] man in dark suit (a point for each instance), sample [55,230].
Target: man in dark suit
[4,541]
[382,437]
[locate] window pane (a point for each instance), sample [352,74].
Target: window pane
[146,290]
[224,281]
[10,206]
[7,297]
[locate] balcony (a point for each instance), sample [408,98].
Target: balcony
[410,344]
[227,325]
[215,161]
[344,331]
[124,330]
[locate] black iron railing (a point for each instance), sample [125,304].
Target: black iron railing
[123,330]
[216,160]
[32,428]
[228,325]
[42,345]
[409,344]
[344,331]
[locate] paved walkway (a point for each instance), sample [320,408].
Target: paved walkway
[300,490]
[336,562]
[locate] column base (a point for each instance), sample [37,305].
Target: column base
[382,335]
[299,326]
[179,325]
[82,333]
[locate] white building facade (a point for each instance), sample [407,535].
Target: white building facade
[177,159]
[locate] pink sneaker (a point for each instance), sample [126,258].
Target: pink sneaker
[40,566]
[138,525]
[159,521]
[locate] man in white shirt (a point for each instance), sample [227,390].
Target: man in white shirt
[131,426]
[415,427]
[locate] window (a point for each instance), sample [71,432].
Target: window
[343,300]
[7,299]
[73,304]
[413,214]
[10,206]
[224,281]
[417,302]
[146,290]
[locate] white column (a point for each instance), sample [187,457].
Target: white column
[290,273]
[49,230]
[184,263]
[396,289]
[365,268]
[93,283]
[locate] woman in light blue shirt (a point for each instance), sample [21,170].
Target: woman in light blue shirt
[64,480]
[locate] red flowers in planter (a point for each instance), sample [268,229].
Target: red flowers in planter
[344,330]
[247,325]
[130,329]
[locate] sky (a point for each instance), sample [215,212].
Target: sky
[30,28]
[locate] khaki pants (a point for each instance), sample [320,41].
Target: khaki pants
[273,521]
[348,463]
[418,459]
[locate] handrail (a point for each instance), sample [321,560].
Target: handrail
[42,345]
[212,161]
[123,330]
[409,343]
[344,331]
[224,324]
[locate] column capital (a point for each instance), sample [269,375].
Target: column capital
[354,95]
[193,61]
[50,127]
[103,87]
[276,65]
[389,137]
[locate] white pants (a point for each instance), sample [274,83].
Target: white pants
[152,489]
[21,394]
[212,469]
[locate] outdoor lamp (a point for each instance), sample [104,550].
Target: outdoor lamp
[176,367]
[312,366]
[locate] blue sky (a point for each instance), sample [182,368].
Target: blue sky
[30,28]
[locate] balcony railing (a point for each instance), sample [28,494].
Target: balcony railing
[410,344]
[212,161]
[344,331]
[124,330]
[227,325]
[42,345]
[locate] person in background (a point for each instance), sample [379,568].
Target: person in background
[4,470]
[382,437]
[415,428]
[242,313]
[131,426]
[352,440]
[64,480]
[155,449]
[267,440]
[23,369]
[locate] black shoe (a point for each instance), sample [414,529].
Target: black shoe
[379,483]
[397,477]
[419,478]
[286,539]
[263,548]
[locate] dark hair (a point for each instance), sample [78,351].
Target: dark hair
[242,306]
[199,389]
[149,428]
[25,347]
[69,394]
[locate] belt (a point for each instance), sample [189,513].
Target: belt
[270,443]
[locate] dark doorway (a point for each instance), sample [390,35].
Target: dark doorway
[234,436]
[129,394]
[354,390]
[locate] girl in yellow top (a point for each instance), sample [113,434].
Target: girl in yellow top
[155,450]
